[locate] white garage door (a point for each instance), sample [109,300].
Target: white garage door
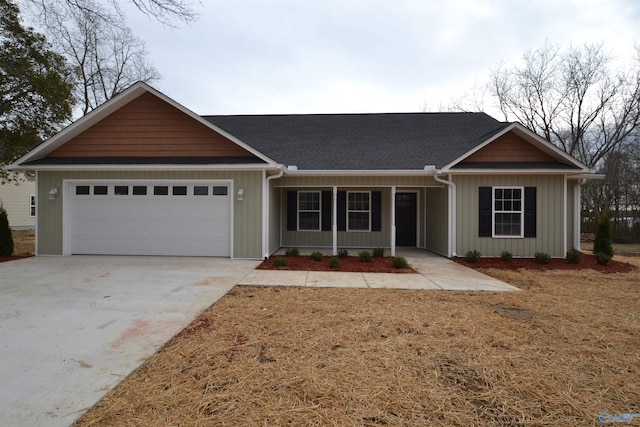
[150,218]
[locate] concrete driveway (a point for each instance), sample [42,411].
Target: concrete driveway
[72,327]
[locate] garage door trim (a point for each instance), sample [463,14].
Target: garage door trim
[68,184]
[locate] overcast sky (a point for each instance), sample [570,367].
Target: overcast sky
[363,56]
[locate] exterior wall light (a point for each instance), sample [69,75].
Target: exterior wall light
[240,194]
[53,193]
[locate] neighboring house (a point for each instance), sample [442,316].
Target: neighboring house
[144,175]
[19,200]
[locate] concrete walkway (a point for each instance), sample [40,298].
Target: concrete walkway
[434,272]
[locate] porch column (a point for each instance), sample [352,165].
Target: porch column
[393,221]
[334,227]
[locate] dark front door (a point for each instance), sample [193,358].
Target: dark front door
[406,218]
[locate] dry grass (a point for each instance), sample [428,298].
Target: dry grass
[559,353]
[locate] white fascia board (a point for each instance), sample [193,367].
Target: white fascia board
[111,106]
[146,167]
[598,176]
[513,172]
[532,137]
[358,172]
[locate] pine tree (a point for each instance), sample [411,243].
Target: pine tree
[602,243]
[6,240]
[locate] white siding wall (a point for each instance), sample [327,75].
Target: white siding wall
[15,199]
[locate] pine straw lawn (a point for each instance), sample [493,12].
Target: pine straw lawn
[561,352]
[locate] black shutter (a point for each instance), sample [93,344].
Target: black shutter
[530,212]
[326,211]
[376,211]
[484,209]
[342,210]
[292,210]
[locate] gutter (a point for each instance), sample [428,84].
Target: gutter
[265,210]
[577,215]
[451,253]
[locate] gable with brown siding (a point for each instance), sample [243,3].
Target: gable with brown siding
[509,148]
[149,127]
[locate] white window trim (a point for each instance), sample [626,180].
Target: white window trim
[369,211]
[32,206]
[494,211]
[319,210]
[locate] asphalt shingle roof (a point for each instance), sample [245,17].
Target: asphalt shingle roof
[394,141]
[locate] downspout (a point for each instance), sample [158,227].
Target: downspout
[452,211]
[265,211]
[577,206]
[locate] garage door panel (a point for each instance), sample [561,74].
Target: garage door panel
[149,225]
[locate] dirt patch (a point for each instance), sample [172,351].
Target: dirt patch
[348,264]
[588,262]
[560,353]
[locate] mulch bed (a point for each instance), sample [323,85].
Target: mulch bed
[348,264]
[588,261]
[12,258]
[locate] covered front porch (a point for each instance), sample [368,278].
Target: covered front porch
[333,213]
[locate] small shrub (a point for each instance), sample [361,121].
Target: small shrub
[6,239]
[542,258]
[334,262]
[343,253]
[602,258]
[316,256]
[292,252]
[506,256]
[378,252]
[574,256]
[399,262]
[472,256]
[365,256]
[280,262]
[602,242]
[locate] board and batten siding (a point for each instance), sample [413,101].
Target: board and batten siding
[275,212]
[437,220]
[247,213]
[550,230]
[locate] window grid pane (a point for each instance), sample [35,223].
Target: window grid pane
[507,212]
[309,210]
[100,190]
[121,190]
[32,205]
[219,190]
[200,190]
[139,190]
[358,211]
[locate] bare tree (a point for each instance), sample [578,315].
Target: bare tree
[106,56]
[572,98]
[576,99]
[165,11]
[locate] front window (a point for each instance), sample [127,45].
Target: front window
[507,211]
[309,210]
[32,205]
[358,211]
